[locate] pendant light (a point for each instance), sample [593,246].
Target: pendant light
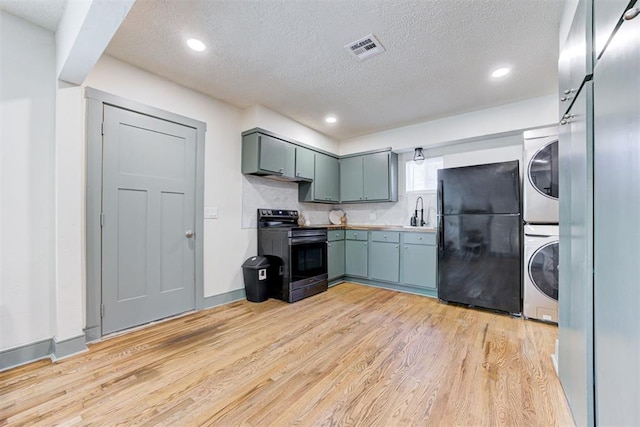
[418,155]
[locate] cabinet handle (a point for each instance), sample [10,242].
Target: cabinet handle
[355,234]
[328,244]
[385,236]
[631,13]
[281,171]
[565,98]
[396,246]
[365,243]
[419,238]
[298,174]
[569,91]
[406,247]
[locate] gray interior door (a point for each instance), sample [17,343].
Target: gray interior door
[148,204]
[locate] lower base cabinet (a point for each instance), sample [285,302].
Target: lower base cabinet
[336,254]
[384,256]
[356,253]
[419,266]
[407,259]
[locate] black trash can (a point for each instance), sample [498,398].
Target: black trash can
[254,271]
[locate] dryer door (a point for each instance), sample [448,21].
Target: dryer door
[541,186]
[543,269]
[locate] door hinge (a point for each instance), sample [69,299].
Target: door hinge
[101,310]
[102,128]
[101,219]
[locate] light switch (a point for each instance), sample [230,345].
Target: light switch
[210,212]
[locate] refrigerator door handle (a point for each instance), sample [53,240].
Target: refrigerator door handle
[440,198]
[440,215]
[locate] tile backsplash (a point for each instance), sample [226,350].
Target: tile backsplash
[259,192]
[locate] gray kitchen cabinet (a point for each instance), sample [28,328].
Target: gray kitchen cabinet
[376,171]
[384,253]
[575,63]
[325,186]
[305,163]
[418,260]
[575,298]
[327,178]
[356,253]
[335,253]
[370,177]
[351,179]
[266,155]
[616,234]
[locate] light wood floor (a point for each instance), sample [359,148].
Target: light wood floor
[354,355]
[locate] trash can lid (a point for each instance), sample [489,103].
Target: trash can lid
[256,262]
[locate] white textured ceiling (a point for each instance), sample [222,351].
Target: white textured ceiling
[289,55]
[44,13]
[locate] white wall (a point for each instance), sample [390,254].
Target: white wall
[69,212]
[259,116]
[505,120]
[27,92]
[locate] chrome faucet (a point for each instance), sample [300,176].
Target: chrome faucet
[414,218]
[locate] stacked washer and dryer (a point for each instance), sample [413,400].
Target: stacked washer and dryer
[541,231]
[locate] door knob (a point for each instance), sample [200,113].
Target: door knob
[189,233]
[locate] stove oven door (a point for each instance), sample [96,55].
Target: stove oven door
[308,266]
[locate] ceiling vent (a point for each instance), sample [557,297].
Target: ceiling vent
[365,48]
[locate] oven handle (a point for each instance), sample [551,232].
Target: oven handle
[304,240]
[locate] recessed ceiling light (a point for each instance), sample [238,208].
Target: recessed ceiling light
[330,119]
[196,45]
[500,72]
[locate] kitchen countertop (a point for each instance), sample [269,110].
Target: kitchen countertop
[378,227]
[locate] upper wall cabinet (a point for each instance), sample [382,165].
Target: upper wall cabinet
[371,177]
[575,64]
[326,181]
[264,154]
[305,166]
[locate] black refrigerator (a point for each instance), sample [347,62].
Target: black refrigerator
[479,236]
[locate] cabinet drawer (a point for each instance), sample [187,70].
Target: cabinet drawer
[334,235]
[385,236]
[357,235]
[420,238]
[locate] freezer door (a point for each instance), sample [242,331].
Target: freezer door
[479,261]
[482,189]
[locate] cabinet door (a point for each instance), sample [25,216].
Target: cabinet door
[575,326]
[327,178]
[276,156]
[577,53]
[356,258]
[376,176]
[351,179]
[305,163]
[335,258]
[419,265]
[616,231]
[385,261]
